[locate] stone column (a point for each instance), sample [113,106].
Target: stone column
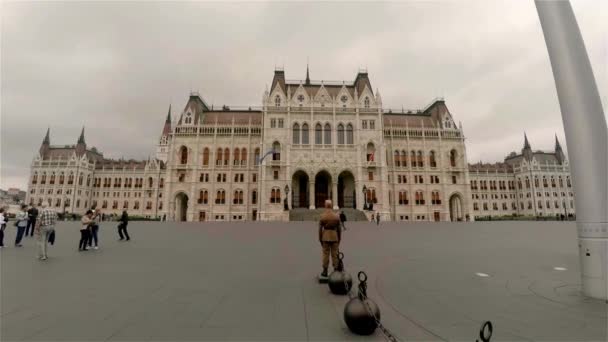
[311,192]
[334,194]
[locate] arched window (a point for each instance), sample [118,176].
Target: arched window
[432,160]
[370,153]
[545,183]
[435,198]
[296,134]
[318,134]
[43,178]
[397,160]
[340,134]
[71,178]
[275,196]
[366,102]
[568,183]
[52,180]
[327,134]
[80,179]
[561,182]
[453,158]
[125,205]
[226,155]
[536,183]
[256,156]
[150,182]
[220,197]
[420,159]
[35,178]
[61,178]
[403,158]
[203,197]
[243,156]
[277,101]
[419,198]
[527,182]
[254,197]
[349,134]
[276,151]
[553,182]
[183,152]
[305,136]
[238,197]
[206,156]
[237,155]
[403,200]
[413,158]
[219,156]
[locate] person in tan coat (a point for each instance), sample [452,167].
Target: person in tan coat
[330,234]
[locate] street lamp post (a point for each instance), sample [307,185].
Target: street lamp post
[286,203]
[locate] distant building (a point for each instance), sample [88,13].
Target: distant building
[531,183]
[309,141]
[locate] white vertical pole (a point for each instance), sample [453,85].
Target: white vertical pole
[587,139]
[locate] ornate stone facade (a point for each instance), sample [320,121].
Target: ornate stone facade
[308,142]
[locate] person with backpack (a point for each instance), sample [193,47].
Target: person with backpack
[122,226]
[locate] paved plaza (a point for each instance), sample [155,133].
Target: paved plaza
[256,281]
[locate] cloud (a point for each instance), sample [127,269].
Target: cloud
[115,67]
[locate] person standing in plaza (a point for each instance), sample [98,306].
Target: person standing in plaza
[32,214]
[2,227]
[377,218]
[21,222]
[122,226]
[330,234]
[85,230]
[343,219]
[94,229]
[44,227]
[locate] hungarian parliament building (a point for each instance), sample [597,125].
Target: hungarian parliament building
[309,141]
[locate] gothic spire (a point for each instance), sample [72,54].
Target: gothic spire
[558,147]
[168,116]
[81,138]
[307,75]
[526,143]
[47,137]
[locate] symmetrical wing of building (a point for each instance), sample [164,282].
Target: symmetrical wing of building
[309,141]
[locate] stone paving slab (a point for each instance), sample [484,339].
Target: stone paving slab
[255,281]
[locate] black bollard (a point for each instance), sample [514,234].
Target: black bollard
[339,281]
[361,314]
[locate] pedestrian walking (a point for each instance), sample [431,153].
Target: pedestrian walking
[2,227]
[21,222]
[85,229]
[122,226]
[343,219]
[378,218]
[44,227]
[32,214]
[330,234]
[94,229]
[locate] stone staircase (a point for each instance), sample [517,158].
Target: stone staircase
[314,214]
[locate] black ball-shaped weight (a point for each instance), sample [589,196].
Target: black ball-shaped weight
[340,282]
[357,317]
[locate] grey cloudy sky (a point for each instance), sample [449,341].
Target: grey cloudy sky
[115,67]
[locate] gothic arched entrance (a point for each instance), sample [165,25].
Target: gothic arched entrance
[322,188]
[346,190]
[181,207]
[299,192]
[456,208]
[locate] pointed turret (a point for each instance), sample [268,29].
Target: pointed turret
[527,150]
[559,153]
[167,127]
[307,75]
[46,144]
[81,146]
[81,138]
